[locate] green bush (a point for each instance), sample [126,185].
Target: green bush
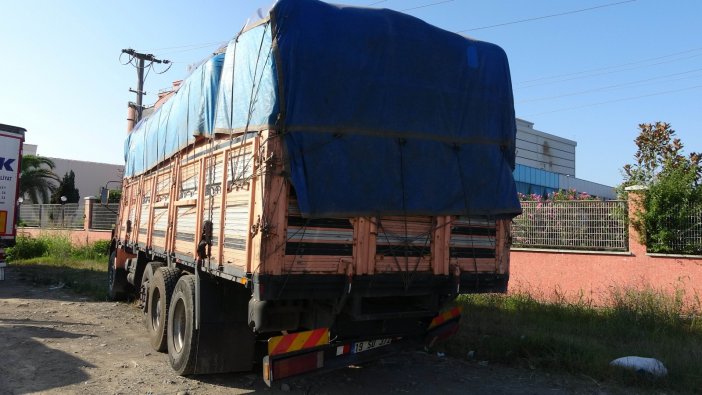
[671,216]
[59,245]
[26,248]
[97,250]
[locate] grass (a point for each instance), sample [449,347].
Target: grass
[54,260]
[580,339]
[87,277]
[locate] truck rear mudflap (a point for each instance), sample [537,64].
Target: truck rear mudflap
[293,355]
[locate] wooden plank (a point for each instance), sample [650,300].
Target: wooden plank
[273,224]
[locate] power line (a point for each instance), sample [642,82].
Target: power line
[376,2]
[219,43]
[613,86]
[432,4]
[616,100]
[546,16]
[608,72]
[199,45]
[614,66]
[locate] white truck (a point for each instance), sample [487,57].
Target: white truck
[11,139]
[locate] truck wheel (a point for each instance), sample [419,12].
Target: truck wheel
[160,291]
[116,280]
[182,335]
[146,281]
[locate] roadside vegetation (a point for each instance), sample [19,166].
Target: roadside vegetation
[53,260]
[582,339]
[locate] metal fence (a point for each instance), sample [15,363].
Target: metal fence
[680,234]
[104,217]
[592,225]
[66,216]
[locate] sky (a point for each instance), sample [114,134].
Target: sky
[587,70]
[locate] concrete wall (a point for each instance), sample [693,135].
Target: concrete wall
[594,277]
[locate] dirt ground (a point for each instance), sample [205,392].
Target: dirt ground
[54,341]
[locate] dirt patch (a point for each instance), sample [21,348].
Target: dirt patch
[55,341]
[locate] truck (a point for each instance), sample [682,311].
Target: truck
[318,193]
[11,139]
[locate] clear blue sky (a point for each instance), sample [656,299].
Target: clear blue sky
[589,76]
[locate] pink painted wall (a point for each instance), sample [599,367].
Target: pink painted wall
[78,236]
[593,277]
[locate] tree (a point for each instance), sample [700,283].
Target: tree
[37,178]
[67,188]
[659,152]
[674,193]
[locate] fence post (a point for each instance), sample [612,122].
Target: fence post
[635,196]
[89,202]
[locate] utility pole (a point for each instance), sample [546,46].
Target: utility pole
[140,66]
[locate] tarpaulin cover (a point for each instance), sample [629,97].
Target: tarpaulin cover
[385,114]
[189,113]
[248,95]
[380,112]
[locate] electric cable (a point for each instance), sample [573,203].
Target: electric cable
[616,100]
[544,16]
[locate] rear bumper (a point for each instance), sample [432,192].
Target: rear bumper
[317,286]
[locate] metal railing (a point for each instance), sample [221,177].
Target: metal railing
[591,225]
[64,216]
[104,217]
[681,234]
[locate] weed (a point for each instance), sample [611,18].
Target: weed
[581,339]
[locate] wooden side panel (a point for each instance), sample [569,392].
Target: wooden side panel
[236,229]
[317,245]
[473,243]
[270,218]
[238,165]
[142,225]
[403,244]
[160,227]
[363,245]
[504,227]
[185,230]
[440,245]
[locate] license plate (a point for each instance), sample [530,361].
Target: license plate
[369,345]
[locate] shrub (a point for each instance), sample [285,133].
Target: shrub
[96,250]
[59,245]
[26,248]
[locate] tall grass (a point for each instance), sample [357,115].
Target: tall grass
[55,260]
[581,339]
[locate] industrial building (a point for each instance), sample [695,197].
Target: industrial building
[546,163]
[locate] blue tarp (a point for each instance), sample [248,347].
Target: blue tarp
[386,114]
[380,112]
[189,113]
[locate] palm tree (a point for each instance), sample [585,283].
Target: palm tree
[37,178]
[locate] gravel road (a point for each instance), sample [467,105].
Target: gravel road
[54,341]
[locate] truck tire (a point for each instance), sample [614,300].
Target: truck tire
[117,286]
[146,281]
[160,292]
[182,335]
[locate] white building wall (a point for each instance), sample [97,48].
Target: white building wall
[544,151]
[90,176]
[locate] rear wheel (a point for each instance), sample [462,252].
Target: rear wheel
[182,335]
[159,299]
[146,282]
[117,286]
